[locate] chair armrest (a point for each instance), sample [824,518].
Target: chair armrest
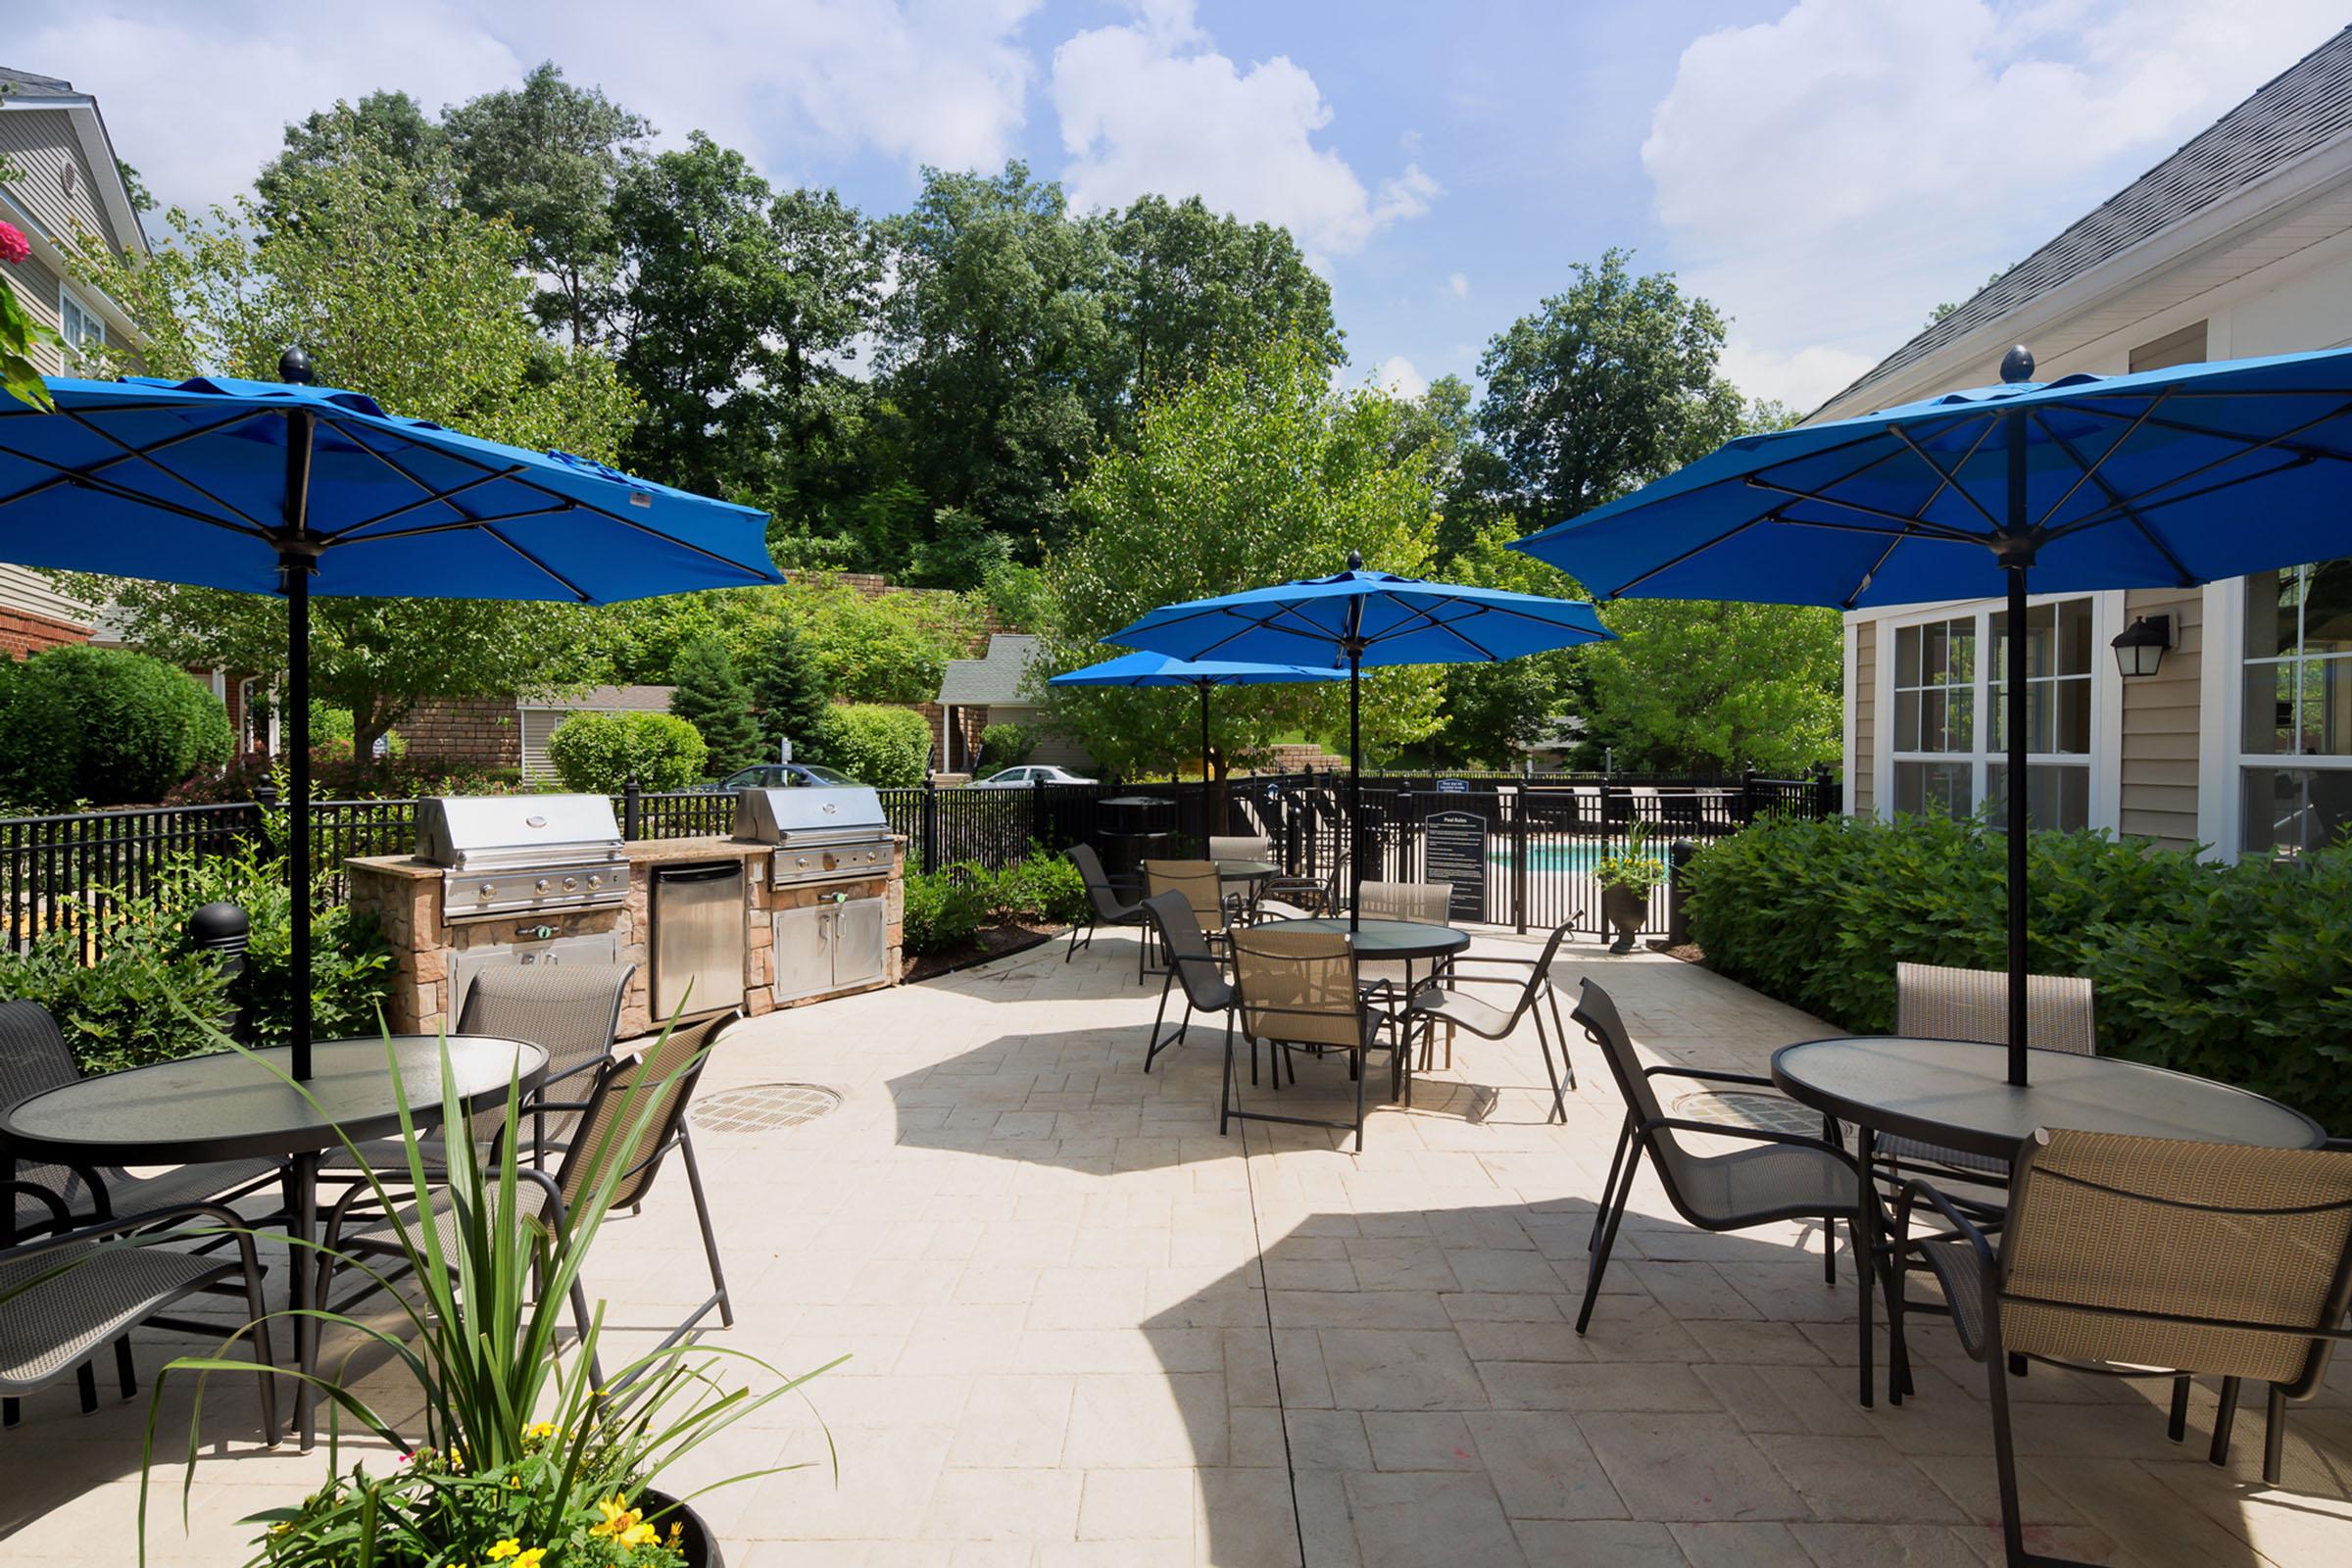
[231,1222]
[1709,1075]
[1962,1226]
[531,1100]
[60,1213]
[1761,1135]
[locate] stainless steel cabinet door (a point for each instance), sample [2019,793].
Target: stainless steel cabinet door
[804,953]
[860,941]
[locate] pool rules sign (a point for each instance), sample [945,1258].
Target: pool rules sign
[1454,851]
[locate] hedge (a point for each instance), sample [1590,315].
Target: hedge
[597,754]
[876,744]
[104,725]
[947,907]
[2241,973]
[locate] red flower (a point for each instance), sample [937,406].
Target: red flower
[12,247]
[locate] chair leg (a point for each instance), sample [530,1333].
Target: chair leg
[579,1318]
[1225,1087]
[1157,1018]
[1625,1135]
[1559,1107]
[2223,1420]
[10,1413]
[127,1375]
[1614,1210]
[2274,1436]
[2176,1427]
[702,1213]
[1829,1251]
[1362,1067]
[2004,1457]
[1551,1000]
[85,1377]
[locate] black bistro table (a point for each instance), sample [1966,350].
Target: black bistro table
[1956,1094]
[232,1106]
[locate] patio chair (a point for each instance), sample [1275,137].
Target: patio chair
[570,1011]
[1448,999]
[670,1069]
[2124,1254]
[1241,848]
[34,1058]
[1933,1001]
[70,1292]
[1789,1177]
[1198,884]
[1104,906]
[1301,987]
[1192,965]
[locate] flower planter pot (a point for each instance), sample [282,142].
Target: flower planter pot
[696,1539]
[1628,911]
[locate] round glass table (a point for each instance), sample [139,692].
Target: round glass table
[1388,941]
[1247,870]
[228,1105]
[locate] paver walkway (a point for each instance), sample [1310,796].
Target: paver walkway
[1086,1330]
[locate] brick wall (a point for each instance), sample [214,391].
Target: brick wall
[23,633]
[483,730]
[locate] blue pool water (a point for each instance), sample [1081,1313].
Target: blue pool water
[1570,858]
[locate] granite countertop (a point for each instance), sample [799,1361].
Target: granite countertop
[640,851]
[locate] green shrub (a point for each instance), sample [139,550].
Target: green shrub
[945,907]
[1007,745]
[1043,887]
[712,696]
[104,725]
[884,747]
[2242,973]
[139,1003]
[600,753]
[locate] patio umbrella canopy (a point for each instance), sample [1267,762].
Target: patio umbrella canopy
[2168,479]
[1356,619]
[1158,670]
[283,487]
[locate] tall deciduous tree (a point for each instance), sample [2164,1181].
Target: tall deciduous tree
[1707,685]
[1254,474]
[1606,387]
[388,132]
[547,157]
[417,303]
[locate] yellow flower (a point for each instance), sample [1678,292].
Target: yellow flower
[539,1428]
[530,1558]
[503,1550]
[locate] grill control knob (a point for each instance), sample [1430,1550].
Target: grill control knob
[571,884]
[489,889]
[540,885]
[801,862]
[594,881]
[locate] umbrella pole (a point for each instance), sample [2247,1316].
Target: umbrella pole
[2014,567]
[297,556]
[1355,786]
[1207,819]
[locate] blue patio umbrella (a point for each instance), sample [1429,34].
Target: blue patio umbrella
[1158,670]
[2168,479]
[287,488]
[1356,619]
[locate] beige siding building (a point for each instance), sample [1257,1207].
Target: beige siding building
[68,193]
[2238,245]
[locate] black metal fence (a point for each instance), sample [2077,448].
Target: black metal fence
[1521,852]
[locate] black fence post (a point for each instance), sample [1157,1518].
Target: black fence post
[1519,808]
[1037,811]
[632,808]
[930,856]
[222,930]
[264,801]
[1747,793]
[1678,922]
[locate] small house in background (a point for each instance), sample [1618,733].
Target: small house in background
[995,689]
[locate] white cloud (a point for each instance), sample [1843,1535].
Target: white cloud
[1396,374]
[1151,107]
[1832,175]
[1459,285]
[197,96]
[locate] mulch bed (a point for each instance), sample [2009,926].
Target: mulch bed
[989,942]
[1688,952]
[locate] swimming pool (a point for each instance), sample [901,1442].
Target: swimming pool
[1574,858]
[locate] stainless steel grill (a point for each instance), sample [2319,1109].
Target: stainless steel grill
[503,854]
[821,835]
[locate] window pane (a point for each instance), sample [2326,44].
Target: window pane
[1963,667]
[2328,706]
[1963,720]
[1907,721]
[2272,598]
[2057,795]
[1925,787]
[1934,715]
[2291,809]
[2073,637]
[2074,716]
[2270,724]
[1906,656]
[2328,607]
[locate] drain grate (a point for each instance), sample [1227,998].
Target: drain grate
[762,1108]
[1768,1112]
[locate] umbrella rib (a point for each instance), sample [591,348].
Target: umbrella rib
[2284,441]
[2092,476]
[73,476]
[753,572]
[2215,488]
[1700,548]
[146,455]
[459,525]
[425,501]
[570,586]
[1917,527]
[1949,482]
[1875,566]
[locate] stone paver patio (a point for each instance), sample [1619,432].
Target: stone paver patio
[1084,1329]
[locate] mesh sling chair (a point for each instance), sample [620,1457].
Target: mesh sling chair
[1428,903]
[34,1058]
[2122,1254]
[1198,884]
[1104,906]
[1934,1002]
[1241,893]
[1787,1177]
[670,1069]
[65,1294]
[1445,998]
[1301,988]
[570,1011]
[1192,965]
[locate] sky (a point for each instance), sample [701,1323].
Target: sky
[1826,172]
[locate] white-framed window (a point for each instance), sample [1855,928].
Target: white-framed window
[2294,758]
[1949,742]
[81,327]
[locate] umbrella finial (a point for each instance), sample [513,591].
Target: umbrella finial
[1355,561]
[2017,365]
[294,366]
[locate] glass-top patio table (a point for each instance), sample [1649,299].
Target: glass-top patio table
[228,1105]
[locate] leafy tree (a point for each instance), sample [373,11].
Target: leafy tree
[712,696]
[388,132]
[789,688]
[1189,286]
[547,157]
[891,649]
[1492,709]
[1606,387]
[1694,684]
[995,347]
[417,302]
[1254,474]
[876,744]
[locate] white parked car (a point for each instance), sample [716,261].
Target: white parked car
[1029,773]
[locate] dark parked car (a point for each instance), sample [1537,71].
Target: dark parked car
[783,776]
